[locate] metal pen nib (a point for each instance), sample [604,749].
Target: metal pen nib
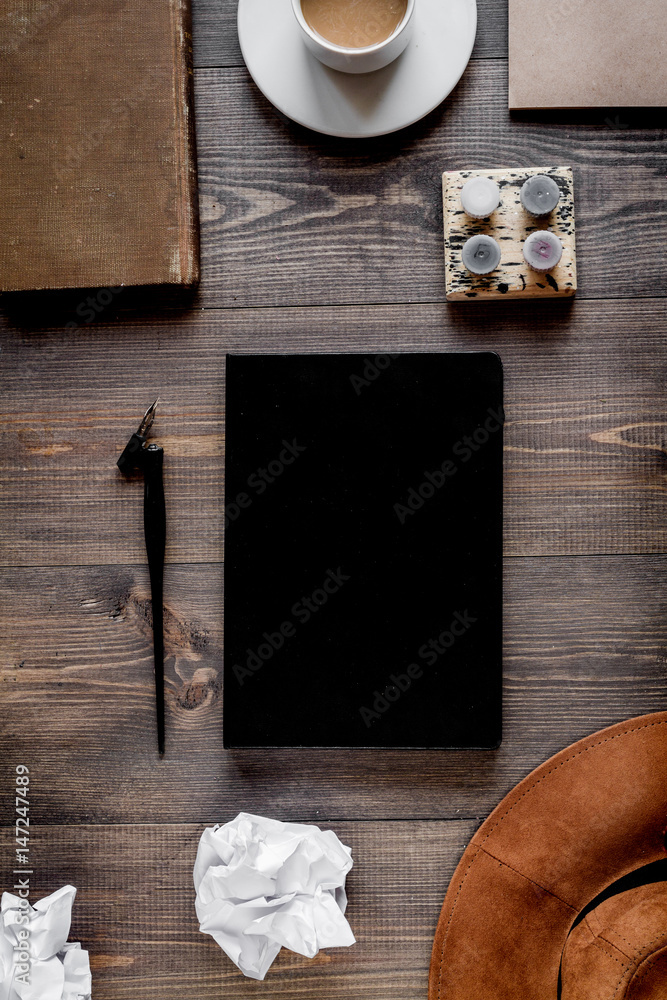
[130,459]
[147,420]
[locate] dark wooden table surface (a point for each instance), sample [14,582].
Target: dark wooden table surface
[317,244]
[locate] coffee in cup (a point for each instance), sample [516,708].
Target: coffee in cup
[355,36]
[354,24]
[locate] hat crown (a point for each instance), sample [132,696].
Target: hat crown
[618,951]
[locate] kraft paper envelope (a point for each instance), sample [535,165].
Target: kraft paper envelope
[587,53]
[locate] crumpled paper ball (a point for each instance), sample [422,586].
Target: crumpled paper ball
[36,960]
[262,884]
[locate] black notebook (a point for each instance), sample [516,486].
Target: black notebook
[363,550]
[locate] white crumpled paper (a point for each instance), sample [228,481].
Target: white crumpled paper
[262,884]
[36,960]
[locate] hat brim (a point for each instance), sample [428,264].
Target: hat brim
[578,823]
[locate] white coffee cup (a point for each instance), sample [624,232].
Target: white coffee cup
[356,60]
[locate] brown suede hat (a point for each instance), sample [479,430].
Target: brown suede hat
[562,892]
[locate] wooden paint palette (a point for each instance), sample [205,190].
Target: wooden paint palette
[510,225]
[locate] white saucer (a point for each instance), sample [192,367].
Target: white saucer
[356,106]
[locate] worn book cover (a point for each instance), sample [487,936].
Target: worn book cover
[97,159]
[593,54]
[363,550]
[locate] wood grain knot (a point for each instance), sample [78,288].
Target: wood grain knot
[203,689]
[179,636]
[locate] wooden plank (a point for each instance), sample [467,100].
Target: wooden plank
[290,217]
[216,39]
[585,439]
[135,913]
[510,225]
[584,646]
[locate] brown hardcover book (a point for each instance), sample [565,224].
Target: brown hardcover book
[97,159]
